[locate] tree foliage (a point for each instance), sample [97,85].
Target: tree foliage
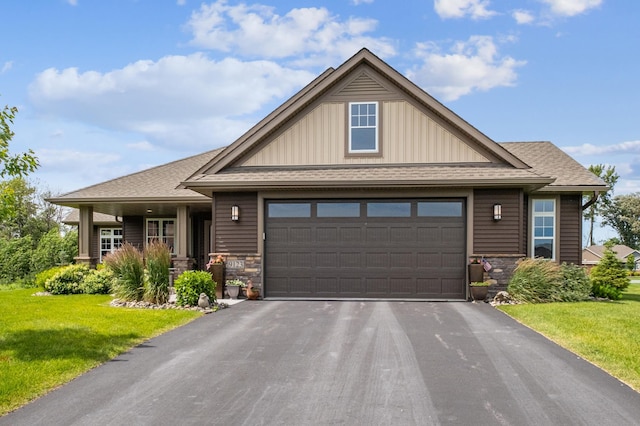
[610,177]
[13,165]
[623,215]
[24,211]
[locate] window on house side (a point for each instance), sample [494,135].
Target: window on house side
[544,229]
[110,241]
[363,127]
[162,230]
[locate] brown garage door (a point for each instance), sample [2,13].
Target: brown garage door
[403,249]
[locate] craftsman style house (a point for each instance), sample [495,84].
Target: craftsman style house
[360,186]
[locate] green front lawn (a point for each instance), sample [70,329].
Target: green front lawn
[605,333]
[47,341]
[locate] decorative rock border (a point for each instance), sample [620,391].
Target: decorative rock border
[146,305]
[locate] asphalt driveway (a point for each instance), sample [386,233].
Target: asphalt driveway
[351,363]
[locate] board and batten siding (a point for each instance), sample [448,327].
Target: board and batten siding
[570,232]
[407,135]
[236,236]
[498,237]
[133,231]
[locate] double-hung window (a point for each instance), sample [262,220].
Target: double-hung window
[110,241]
[363,127]
[161,230]
[543,243]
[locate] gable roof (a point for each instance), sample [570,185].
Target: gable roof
[321,86]
[621,250]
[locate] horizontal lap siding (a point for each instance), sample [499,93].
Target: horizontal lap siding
[133,230]
[570,242]
[240,236]
[503,236]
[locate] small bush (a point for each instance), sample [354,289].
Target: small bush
[541,281]
[98,281]
[68,280]
[158,259]
[42,277]
[609,277]
[128,269]
[190,284]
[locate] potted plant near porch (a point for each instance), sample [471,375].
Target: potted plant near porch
[233,288]
[479,290]
[217,270]
[476,271]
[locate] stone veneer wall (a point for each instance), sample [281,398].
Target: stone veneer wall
[244,267]
[501,272]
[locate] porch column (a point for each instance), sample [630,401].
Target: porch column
[85,236]
[182,262]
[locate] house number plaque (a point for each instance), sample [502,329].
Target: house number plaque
[235,264]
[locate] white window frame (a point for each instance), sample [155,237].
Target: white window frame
[113,239]
[553,238]
[376,127]
[161,236]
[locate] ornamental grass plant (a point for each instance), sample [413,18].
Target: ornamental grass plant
[128,268]
[541,281]
[158,261]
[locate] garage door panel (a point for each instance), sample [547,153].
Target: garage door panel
[350,260]
[301,260]
[377,260]
[326,260]
[365,257]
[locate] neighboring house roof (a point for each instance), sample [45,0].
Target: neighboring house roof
[593,254]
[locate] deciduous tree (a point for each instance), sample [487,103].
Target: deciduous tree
[610,177]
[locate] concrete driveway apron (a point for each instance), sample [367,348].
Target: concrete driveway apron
[351,363]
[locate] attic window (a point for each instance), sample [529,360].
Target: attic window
[363,129]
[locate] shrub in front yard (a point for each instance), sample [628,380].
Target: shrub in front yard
[127,266]
[190,284]
[158,260]
[609,277]
[541,281]
[68,280]
[98,281]
[42,277]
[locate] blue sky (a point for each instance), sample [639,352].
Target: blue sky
[107,88]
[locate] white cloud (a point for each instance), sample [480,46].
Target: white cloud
[73,2]
[359,2]
[590,149]
[310,35]
[523,16]
[181,2]
[141,146]
[175,100]
[476,9]
[571,7]
[6,67]
[472,65]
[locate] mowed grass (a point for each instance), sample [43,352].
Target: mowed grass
[604,333]
[47,341]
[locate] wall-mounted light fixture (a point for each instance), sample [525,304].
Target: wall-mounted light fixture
[149,211]
[497,212]
[235,213]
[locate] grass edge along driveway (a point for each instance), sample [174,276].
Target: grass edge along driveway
[606,334]
[48,341]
